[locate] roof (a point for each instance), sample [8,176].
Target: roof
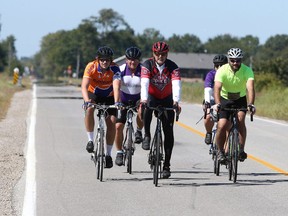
[192,60]
[185,60]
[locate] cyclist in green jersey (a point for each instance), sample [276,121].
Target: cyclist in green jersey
[232,82]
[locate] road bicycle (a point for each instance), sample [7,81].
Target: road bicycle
[98,155]
[128,144]
[213,146]
[233,142]
[156,154]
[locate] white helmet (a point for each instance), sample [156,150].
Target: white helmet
[235,53]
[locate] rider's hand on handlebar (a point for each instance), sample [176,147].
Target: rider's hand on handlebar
[206,105]
[252,108]
[216,107]
[85,105]
[177,107]
[119,105]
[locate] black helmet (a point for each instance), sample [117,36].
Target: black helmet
[105,52]
[220,59]
[133,53]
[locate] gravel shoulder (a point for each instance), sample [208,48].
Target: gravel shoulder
[13,133]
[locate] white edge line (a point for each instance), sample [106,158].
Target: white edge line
[29,203]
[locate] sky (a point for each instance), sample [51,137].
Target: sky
[30,20]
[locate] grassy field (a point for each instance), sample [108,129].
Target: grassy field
[271,102]
[7,90]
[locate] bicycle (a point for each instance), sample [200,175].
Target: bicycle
[213,146]
[128,144]
[156,154]
[233,142]
[98,155]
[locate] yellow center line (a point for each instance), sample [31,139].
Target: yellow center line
[249,156]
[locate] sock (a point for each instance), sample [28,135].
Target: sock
[90,136]
[119,151]
[109,149]
[138,129]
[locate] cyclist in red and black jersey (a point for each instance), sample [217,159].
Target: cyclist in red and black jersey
[160,85]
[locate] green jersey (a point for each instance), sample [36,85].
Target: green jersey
[233,84]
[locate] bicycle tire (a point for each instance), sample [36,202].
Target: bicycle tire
[101,155]
[235,155]
[130,150]
[157,160]
[230,153]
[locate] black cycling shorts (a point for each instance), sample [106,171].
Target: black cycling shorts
[225,103]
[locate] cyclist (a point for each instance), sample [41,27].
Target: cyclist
[97,88]
[218,61]
[127,88]
[160,85]
[231,83]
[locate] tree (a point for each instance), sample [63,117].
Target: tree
[186,43]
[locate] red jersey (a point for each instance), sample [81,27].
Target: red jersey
[160,85]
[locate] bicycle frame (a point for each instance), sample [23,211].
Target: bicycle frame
[156,154]
[98,156]
[233,143]
[128,143]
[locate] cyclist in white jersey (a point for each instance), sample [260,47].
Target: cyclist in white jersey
[127,88]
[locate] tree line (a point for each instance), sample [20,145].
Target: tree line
[78,46]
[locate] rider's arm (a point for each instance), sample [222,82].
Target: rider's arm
[207,94]
[84,88]
[144,88]
[176,90]
[116,89]
[250,91]
[217,90]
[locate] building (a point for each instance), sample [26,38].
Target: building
[192,65]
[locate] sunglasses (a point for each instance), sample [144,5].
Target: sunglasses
[160,53]
[104,59]
[235,60]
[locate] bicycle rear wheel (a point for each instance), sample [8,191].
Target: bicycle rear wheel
[235,155]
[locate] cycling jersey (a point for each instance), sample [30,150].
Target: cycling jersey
[233,84]
[160,81]
[209,86]
[130,85]
[101,83]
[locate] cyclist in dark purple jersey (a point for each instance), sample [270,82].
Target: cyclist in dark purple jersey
[218,61]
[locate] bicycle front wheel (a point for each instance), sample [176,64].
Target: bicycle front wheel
[101,156]
[230,154]
[157,165]
[130,150]
[235,155]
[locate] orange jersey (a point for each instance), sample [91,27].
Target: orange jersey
[101,84]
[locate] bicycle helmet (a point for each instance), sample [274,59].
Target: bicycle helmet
[105,52]
[133,53]
[220,59]
[160,46]
[235,53]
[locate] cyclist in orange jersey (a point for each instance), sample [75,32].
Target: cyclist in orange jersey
[97,87]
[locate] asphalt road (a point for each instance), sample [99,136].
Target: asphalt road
[61,178]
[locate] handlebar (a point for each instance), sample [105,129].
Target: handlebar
[237,110]
[163,109]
